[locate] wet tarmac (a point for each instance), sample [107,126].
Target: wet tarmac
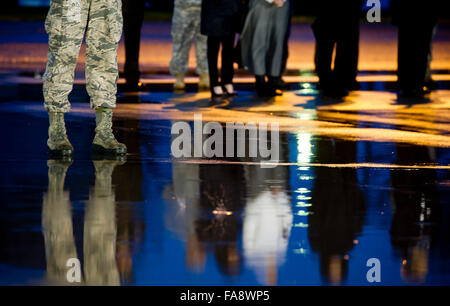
[359,178]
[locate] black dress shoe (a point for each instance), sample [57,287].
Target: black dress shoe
[334,92]
[278,83]
[413,93]
[132,87]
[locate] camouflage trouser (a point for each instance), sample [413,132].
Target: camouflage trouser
[186,28]
[66,23]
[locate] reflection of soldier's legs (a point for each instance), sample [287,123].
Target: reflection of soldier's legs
[100,229]
[57,223]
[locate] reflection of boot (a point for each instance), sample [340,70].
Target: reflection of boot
[100,229]
[103,174]
[179,82]
[104,141]
[57,223]
[57,142]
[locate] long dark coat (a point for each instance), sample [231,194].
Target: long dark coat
[220,18]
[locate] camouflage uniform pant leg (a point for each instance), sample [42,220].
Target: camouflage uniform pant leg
[100,229]
[65,25]
[201,53]
[104,31]
[186,29]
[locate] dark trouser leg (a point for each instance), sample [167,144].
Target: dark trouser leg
[347,52]
[324,51]
[286,41]
[413,47]
[213,53]
[227,59]
[133,16]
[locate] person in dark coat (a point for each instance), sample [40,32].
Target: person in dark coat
[133,17]
[337,211]
[263,43]
[220,22]
[280,83]
[337,24]
[415,31]
[417,213]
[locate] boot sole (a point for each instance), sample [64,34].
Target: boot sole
[60,153]
[97,149]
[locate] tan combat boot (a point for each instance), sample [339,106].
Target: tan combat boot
[179,82]
[104,140]
[58,143]
[203,83]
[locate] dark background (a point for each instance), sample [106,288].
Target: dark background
[301,7]
[161,10]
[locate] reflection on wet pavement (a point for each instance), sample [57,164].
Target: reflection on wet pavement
[356,180]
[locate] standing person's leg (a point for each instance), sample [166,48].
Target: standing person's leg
[133,17]
[275,53]
[286,43]
[227,64]
[201,52]
[183,33]
[429,83]
[424,36]
[65,26]
[409,58]
[102,39]
[347,54]
[213,54]
[323,51]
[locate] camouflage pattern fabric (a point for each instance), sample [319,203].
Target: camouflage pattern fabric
[186,30]
[66,23]
[100,228]
[188,3]
[57,226]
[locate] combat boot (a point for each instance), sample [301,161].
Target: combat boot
[203,83]
[179,82]
[58,143]
[104,140]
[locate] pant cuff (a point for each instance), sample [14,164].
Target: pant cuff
[53,107]
[103,103]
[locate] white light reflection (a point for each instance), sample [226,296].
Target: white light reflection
[305,178]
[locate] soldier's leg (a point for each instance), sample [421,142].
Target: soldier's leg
[200,51]
[65,25]
[183,33]
[103,34]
